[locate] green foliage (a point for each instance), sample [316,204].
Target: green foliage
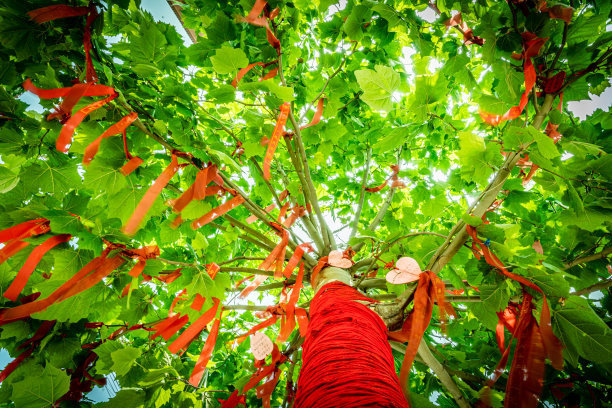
[403,86]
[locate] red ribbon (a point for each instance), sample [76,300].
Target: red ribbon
[531,48]
[275,138]
[149,198]
[119,127]
[207,350]
[45,14]
[34,258]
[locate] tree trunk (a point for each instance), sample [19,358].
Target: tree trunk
[346,359]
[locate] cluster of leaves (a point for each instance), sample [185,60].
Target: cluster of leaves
[403,88]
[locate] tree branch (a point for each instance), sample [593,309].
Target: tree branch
[376,221]
[297,137]
[589,258]
[361,195]
[489,195]
[447,382]
[593,288]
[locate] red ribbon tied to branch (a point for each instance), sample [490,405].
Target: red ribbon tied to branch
[531,48]
[429,288]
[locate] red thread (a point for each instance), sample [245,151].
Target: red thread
[347,361]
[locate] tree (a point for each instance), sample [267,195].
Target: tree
[448,140]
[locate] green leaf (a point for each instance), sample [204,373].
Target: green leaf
[8,180]
[127,397]
[123,359]
[517,138]
[378,86]
[394,139]
[42,389]
[52,179]
[103,177]
[546,146]
[222,94]
[148,46]
[495,297]
[580,329]
[229,60]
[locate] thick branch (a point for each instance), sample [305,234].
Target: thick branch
[297,137]
[443,256]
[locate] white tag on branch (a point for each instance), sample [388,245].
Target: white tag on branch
[336,259]
[261,346]
[406,270]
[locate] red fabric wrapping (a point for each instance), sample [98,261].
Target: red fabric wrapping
[347,361]
[45,14]
[131,165]
[553,346]
[274,260]
[394,171]
[65,137]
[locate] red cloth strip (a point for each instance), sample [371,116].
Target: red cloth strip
[131,165]
[183,341]
[49,13]
[90,72]
[275,138]
[233,400]
[209,346]
[11,249]
[266,323]
[170,326]
[149,198]
[92,90]
[241,281]
[212,269]
[198,302]
[64,111]
[275,259]
[553,346]
[296,212]
[299,252]
[243,71]
[119,127]
[88,276]
[217,212]
[65,137]
[33,342]
[197,190]
[395,170]
[25,230]
[531,48]
[26,270]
